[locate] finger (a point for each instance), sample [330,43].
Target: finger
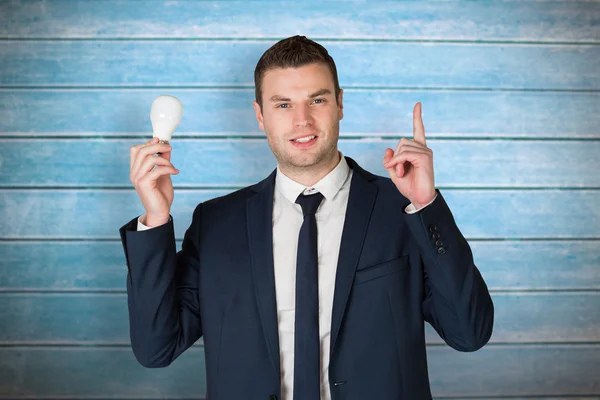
[389,154]
[399,170]
[133,151]
[408,145]
[145,151]
[157,173]
[402,168]
[398,164]
[412,155]
[418,127]
[406,160]
[165,155]
[148,164]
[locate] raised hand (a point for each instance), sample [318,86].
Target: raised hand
[153,185]
[411,165]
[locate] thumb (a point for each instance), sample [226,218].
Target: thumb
[389,154]
[166,155]
[396,171]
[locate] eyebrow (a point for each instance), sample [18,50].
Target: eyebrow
[318,93]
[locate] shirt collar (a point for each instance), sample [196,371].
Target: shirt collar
[329,185]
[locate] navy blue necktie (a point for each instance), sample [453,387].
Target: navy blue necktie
[307,360]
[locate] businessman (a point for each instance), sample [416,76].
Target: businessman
[315,282]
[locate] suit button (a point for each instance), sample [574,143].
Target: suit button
[441,250]
[438,243]
[436,235]
[432,228]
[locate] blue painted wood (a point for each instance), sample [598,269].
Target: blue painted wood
[367,112]
[524,21]
[535,370]
[390,55]
[359,64]
[226,162]
[499,213]
[92,372]
[91,266]
[113,372]
[61,318]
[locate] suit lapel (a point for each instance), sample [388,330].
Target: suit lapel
[358,213]
[259,216]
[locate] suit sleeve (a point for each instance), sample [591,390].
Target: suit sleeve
[162,291]
[457,302]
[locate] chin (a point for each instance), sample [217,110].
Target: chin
[303,162]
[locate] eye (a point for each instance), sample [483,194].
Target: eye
[319,101]
[284,105]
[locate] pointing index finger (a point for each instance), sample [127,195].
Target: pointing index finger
[418,127]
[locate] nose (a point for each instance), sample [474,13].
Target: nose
[302,116]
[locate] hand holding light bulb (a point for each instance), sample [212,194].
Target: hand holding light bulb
[153,184]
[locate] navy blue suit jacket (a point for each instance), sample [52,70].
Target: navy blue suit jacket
[395,271]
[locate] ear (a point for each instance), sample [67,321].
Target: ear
[258,114]
[340,104]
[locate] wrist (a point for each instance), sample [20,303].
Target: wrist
[152,221]
[418,206]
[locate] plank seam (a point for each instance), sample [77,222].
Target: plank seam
[490,42]
[44,88]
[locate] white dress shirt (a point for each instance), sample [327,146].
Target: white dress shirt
[287,220]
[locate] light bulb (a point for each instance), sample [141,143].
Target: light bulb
[165,116]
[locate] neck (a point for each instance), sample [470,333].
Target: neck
[308,176]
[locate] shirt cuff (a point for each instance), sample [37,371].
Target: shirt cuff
[411,209]
[142,227]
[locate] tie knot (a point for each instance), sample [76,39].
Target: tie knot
[309,203]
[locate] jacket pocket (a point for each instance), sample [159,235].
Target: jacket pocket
[381,269]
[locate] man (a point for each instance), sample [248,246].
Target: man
[315,282]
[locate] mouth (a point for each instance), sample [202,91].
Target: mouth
[304,141]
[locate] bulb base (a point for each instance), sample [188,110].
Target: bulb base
[163,141]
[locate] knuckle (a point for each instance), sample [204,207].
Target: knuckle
[142,181]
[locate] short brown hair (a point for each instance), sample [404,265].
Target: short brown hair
[293,52]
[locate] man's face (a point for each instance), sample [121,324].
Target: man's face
[299,103]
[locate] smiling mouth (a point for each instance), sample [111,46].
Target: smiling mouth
[304,139]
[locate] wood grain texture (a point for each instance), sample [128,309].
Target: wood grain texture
[516,21]
[242,162]
[100,266]
[501,213]
[511,105]
[91,372]
[360,64]
[535,370]
[226,112]
[515,371]
[55,318]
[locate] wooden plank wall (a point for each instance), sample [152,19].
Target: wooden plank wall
[510,94]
